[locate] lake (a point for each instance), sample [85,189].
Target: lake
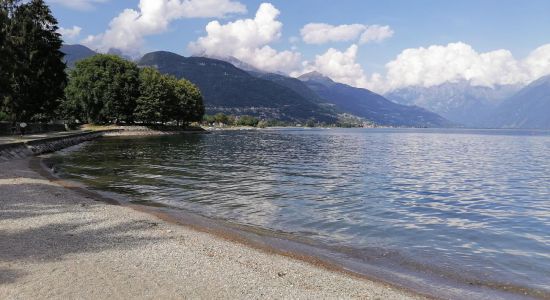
[465,205]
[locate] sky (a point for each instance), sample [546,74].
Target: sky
[380,45]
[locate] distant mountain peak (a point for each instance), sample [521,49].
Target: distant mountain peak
[316,77]
[76,52]
[544,80]
[235,62]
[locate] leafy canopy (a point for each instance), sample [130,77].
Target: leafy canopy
[32,71]
[102,88]
[107,89]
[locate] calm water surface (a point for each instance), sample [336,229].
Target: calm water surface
[472,203]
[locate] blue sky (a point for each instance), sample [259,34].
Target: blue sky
[484,25]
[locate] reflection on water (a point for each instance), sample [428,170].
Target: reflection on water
[465,201]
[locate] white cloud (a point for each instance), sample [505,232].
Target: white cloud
[376,33]
[248,40]
[459,61]
[321,33]
[69,33]
[127,31]
[538,62]
[79,4]
[434,65]
[340,66]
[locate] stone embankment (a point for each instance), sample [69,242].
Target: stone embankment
[40,146]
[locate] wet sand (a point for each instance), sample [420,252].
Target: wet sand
[56,242]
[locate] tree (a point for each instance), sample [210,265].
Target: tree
[247,121]
[103,88]
[311,122]
[189,106]
[4,53]
[221,118]
[35,77]
[157,101]
[208,119]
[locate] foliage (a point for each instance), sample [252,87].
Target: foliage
[311,123]
[230,120]
[33,78]
[4,53]
[107,89]
[247,121]
[189,106]
[222,118]
[164,98]
[102,88]
[157,98]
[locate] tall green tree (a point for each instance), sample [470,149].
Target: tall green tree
[102,88]
[157,100]
[4,53]
[36,75]
[7,58]
[189,105]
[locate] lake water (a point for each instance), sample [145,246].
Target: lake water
[472,205]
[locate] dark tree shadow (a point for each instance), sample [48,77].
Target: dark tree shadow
[9,275]
[60,236]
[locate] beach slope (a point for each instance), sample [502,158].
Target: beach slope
[58,243]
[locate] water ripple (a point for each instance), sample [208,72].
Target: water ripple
[476,202]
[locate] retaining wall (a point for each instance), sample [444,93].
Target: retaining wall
[37,147]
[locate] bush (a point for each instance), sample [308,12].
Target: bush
[247,121]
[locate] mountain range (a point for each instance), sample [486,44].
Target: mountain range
[459,101]
[528,108]
[369,105]
[504,106]
[74,53]
[234,87]
[230,90]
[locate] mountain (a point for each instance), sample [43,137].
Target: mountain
[294,84]
[74,53]
[237,63]
[528,108]
[119,53]
[230,90]
[459,102]
[369,105]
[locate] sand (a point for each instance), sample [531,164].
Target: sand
[59,243]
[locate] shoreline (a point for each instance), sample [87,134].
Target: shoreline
[288,246]
[58,242]
[419,281]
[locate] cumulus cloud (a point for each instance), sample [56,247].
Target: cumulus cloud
[434,65]
[248,40]
[340,66]
[321,33]
[376,33]
[126,32]
[538,62]
[69,33]
[78,4]
[459,61]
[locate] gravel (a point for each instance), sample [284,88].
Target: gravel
[57,243]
